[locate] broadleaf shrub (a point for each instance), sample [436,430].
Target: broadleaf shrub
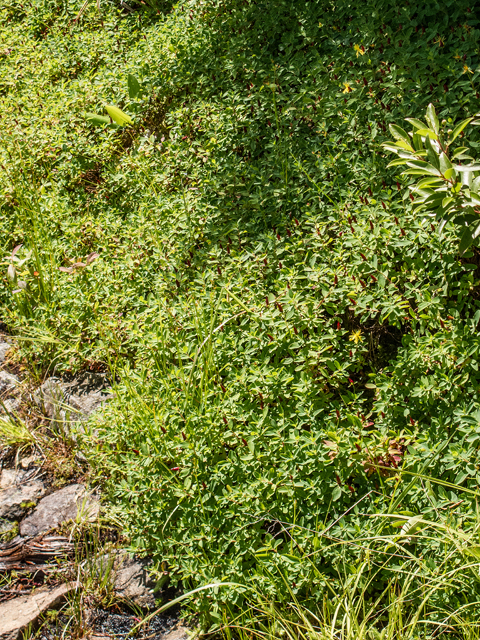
[449,190]
[294,349]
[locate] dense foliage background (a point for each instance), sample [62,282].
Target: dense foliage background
[288,339]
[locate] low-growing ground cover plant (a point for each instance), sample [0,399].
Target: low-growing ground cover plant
[294,347]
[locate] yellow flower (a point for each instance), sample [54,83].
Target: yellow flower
[359,50]
[466,69]
[356,336]
[348,88]
[457,57]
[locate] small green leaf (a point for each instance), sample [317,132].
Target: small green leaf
[418,124]
[397,162]
[133,86]
[449,173]
[118,116]
[466,240]
[432,118]
[444,163]
[399,134]
[428,132]
[424,166]
[459,151]
[432,154]
[336,493]
[96,120]
[459,128]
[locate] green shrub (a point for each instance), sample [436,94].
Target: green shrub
[285,331]
[449,190]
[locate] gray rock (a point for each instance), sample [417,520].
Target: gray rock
[177,633]
[8,383]
[12,405]
[4,347]
[17,499]
[71,503]
[70,403]
[18,614]
[11,477]
[131,580]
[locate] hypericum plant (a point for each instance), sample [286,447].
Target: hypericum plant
[450,190]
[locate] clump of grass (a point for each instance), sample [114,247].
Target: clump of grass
[15,433]
[392,592]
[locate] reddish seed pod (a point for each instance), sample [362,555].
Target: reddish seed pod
[265,261]
[337,478]
[204,485]
[412,422]
[432,227]
[219,271]
[363,256]
[402,232]
[175,469]
[396,220]
[223,388]
[225,420]
[362,283]
[289,233]
[350,353]
[280,265]
[244,441]
[280,308]
[136,451]
[350,381]
[271,337]
[295,330]
[366,201]
[296,222]
[184,436]
[163,429]
[370,191]
[411,197]
[336,279]
[266,301]
[383,205]
[338,414]
[338,325]
[278,237]
[371,225]
[441,322]
[373,278]
[398,186]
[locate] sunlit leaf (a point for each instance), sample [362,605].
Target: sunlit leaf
[118,115]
